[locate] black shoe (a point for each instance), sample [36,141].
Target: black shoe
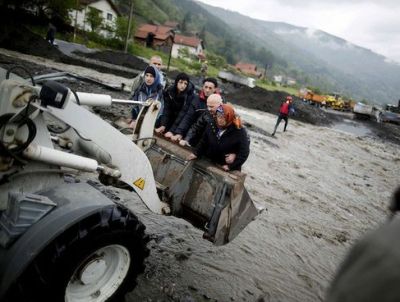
[273,134]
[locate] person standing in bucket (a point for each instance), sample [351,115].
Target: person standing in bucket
[155,61]
[228,145]
[151,88]
[284,110]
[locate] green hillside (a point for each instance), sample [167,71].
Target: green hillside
[313,58]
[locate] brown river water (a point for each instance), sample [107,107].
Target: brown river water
[322,189]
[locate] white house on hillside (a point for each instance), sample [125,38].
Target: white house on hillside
[107,9]
[193,44]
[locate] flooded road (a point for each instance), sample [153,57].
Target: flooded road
[322,189]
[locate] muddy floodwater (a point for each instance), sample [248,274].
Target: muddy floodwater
[322,188]
[353,127]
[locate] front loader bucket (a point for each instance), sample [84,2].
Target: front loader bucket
[208,197]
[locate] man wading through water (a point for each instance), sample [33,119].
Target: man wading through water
[285,109]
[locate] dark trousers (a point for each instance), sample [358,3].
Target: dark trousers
[280,118]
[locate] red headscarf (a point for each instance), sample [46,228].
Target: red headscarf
[229,115]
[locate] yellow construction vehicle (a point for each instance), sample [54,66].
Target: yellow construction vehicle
[311,97]
[335,102]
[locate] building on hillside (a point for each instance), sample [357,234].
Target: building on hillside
[107,9]
[193,44]
[156,36]
[290,81]
[284,80]
[278,79]
[249,69]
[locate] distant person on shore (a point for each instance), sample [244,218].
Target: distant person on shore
[177,99]
[139,79]
[151,88]
[51,34]
[284,111]
[229,146]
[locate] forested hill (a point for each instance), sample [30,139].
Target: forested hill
[313,57]
[194,19]
[330,62]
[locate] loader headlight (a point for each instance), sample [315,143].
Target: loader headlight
[53,94]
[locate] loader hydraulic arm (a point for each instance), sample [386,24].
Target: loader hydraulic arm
[125,159]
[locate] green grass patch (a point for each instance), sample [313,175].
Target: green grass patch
[274,87]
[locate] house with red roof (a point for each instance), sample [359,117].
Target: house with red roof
[193,44]
[249,69]
[158,36]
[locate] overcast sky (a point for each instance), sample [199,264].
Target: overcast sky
[373,24]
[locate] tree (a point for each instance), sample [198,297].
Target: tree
[94,18]
[202,34]
[122,28]
[228,50]
[186,21]
[183,52]
[53,8]
[60,8]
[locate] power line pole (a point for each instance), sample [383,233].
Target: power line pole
[76,20]
[265,71]
[129,27]
[170,50]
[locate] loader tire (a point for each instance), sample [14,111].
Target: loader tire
[97,259]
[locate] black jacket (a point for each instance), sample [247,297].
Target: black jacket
[196,131]
[196,108]
[176,107]
[233,140]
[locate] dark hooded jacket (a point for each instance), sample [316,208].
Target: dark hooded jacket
[176,106]
[145,92]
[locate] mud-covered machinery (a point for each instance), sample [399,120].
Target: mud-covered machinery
[365,111]
[236,79]
[66,241]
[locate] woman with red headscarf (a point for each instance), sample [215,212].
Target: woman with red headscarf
[229,145]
